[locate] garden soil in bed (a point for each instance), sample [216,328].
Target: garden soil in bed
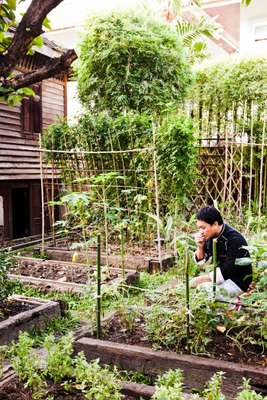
[141,258]
[13,307]
[220,347]
[60,272]
[142,249]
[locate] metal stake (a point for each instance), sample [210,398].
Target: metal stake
[98,305]
[214,253]
[187,297]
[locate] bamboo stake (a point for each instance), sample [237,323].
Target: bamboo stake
[242,158]
[157,196]
[225,166]
[98,305]
[214,254]
[47,192]
[42,198]
[231,161]
[265,183]
[261,170]
[122,254]
[53,199]
[251,158]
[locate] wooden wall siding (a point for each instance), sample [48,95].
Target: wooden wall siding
[52,101]
[18,160]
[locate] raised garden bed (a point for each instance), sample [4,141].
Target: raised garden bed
[140,261]
[64,276]
[33,313]
[197,370]
[121,327]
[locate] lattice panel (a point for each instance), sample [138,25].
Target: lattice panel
[220,172]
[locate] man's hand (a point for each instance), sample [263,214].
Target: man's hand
[200,241]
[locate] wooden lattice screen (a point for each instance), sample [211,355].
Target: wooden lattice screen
[220,176]
[230,179]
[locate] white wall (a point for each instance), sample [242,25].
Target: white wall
[254,14]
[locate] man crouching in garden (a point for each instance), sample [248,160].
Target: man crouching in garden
[231,274]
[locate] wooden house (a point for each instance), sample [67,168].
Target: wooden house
[20,127]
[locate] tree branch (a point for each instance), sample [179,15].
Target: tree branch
[54,67]
[28,29]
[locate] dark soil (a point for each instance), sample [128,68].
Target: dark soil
[220,347]
[16,391]
[146,249]
[13,307]
[60,272]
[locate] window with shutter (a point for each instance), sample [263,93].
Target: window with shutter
[31,112]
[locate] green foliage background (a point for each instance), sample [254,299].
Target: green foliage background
[131,63]
[133,74]
[225,89]
[230,98]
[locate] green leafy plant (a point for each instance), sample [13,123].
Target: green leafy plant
[170,311]
[96,382]
[169,386]
[213,389]
[128,317]
[59,360]
[247,393]
[91,380]
[6,286]
[25,362]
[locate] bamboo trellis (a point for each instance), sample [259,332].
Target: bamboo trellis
[224,177]
[72,170]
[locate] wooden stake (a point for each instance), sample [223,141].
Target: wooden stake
[157,196]
[261,170]
[42,197]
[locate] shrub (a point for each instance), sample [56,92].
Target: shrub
[130,62]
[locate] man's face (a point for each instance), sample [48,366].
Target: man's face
[208,231]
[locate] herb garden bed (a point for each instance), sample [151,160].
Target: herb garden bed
[142,259]
[220,347]
[64,276]
[197,370]
[32,313]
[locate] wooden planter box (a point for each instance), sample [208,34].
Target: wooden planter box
[38,317]
[140,263]
[131,277]
[197,370]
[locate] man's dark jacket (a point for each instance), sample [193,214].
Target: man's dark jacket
[229,248]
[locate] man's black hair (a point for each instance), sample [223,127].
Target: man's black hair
[210,215]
